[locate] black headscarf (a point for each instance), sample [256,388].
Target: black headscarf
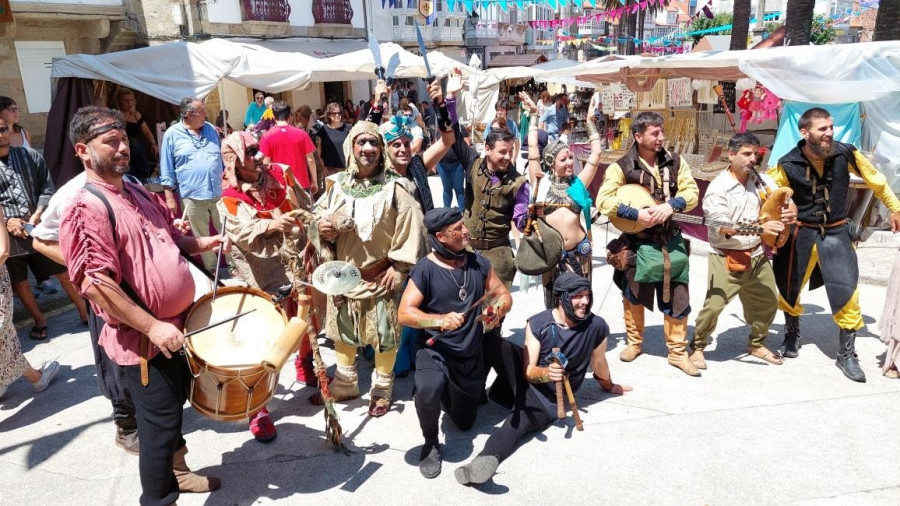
[567,285]
[435,221]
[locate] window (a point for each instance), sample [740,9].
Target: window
[409,21]
[35,58]
[396,20]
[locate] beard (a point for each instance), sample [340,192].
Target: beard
[116,165]
[821,148]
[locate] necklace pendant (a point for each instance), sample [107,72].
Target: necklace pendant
[463,294]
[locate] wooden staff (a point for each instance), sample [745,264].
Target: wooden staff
[575,415]
[560,404]
[532,207]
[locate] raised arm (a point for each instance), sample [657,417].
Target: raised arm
[590,168]
[438,149]
[534,151]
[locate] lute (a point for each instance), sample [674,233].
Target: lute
[638,197]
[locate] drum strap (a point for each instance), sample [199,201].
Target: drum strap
[145,341]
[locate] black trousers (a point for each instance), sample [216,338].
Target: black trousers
[530,412]
[158,407]
[109,376]
[435,391]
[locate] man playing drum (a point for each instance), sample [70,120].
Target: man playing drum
[261,230]
[137,281]
[387,240]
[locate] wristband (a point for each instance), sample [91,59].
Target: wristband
[444,123]
[606,384]
[592,129]
[543,378]
[677,203]
[627,212]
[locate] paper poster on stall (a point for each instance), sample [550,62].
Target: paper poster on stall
[624,99]
[680,92]
[653,99]
[608,98]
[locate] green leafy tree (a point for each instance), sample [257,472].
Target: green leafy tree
[704,23]
[822,31]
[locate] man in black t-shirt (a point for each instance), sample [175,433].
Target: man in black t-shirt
[443,287]
[581,337]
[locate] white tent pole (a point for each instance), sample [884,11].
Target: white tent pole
[222,106]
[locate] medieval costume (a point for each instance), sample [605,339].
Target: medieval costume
[388,233]
[535,405]
[262,258]
[889,324]
[820,251]
[668,180]
[449,372]
[738,265]
[571,193]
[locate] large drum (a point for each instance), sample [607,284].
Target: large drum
[228,381]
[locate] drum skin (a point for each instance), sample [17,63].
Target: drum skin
[229,383]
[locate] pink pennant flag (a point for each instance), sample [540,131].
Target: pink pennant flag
[635,8]
[644,4]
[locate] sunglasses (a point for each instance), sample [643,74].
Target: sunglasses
[252,151]
[13,108]
[4,130]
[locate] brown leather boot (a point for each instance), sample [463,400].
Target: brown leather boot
[676,341]
[189,481]
[634,330]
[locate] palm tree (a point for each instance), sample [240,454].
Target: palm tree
[798,25]
[887,24]
[740,26]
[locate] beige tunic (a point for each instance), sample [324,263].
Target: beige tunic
[389,224]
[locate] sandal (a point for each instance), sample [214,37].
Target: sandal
[379,406]
[892,373]
[38,333]
[765,354]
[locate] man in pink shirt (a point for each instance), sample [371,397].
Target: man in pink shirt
[291,146]
[123,255]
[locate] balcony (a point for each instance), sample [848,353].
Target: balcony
[278,11]
[332,12]
[511,35]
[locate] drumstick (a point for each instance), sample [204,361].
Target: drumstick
[571,395]
[431,340]
[219,259]
[220,322]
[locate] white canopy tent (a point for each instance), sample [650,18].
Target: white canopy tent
[184,69]
[868,73]
[360,65]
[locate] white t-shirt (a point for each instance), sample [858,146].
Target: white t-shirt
[48,228]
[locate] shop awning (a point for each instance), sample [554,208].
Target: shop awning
[315,47]
[516,60]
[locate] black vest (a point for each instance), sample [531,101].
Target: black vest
[489,209]
[635,173]
[820,200]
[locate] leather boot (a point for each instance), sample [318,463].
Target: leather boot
[676,341]
[187,480]
[846,356]
[634,330]
[790,348]
[126,435]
